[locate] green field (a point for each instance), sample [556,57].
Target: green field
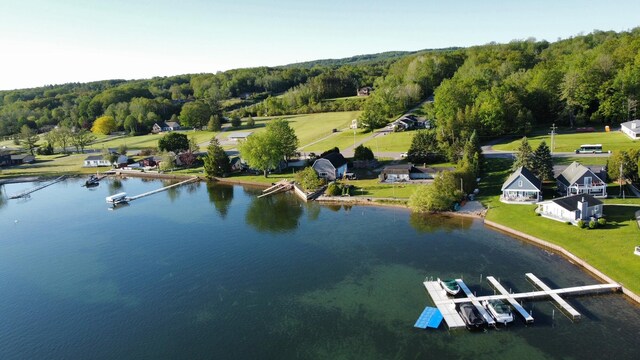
[342,139]
[569,142]
[391,142]
[610,249]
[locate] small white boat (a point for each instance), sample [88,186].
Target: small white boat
[499,311]
[117,198]
[450,286]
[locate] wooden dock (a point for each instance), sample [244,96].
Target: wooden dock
[447,305]
[161,189]
[280,186]
[26,193]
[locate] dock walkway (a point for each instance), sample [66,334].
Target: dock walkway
[161,189]
[496,285]
[39,187]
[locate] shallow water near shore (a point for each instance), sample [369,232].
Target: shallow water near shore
[210,271]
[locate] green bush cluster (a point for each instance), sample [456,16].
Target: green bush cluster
[337,189]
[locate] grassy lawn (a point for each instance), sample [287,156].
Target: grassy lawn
[341,139]
[584,160]
[373,188]
[569,142]
[313,127]
[610,249]
[148,141]
[391,142]
[50,165]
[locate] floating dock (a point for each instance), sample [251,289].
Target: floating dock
[160,190]
[27,192]
[280,186]
[447,305]
[485,314]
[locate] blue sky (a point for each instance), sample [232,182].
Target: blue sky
[57,41]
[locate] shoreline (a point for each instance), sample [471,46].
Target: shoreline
[370,201]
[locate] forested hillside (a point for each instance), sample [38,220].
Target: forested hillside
[494,89]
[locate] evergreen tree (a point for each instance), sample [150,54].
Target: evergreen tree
[216,163]
[214,123]
[542,162]
[524,155]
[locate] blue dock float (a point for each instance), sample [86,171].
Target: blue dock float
[430,318]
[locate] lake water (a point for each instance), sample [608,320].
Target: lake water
[210,271]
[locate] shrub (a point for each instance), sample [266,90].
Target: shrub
[333,189]
[308,179]
[593,224]
[580,224]
[568,223]
[602,221]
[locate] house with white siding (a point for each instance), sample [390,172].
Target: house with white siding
[571,208]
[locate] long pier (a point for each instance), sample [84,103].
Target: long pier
[136,197]
[447,305]
[29,191]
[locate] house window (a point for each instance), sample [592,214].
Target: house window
[520,183]
[595,208]
[587,181]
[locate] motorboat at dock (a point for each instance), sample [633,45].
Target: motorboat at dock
[450,286]
[499,310]
[471,316]
[117,198]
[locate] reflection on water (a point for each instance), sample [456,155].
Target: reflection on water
[221,197]
[428,223]
[274,213]
[114,185]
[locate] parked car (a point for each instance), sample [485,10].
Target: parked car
[403,155]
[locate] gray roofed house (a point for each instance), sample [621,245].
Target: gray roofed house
[631,129]
[571,208]
[579,179]
[409,172]
[239,136]
[522,187]
[95,161]
[331,167]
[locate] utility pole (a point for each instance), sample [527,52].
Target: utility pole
[621,191]
[553,132]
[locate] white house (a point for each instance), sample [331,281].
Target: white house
[571,208]
[165,126]
[95,161]
[631,129]
[239,136]
[332,166]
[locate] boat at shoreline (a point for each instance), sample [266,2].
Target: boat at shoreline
[92,181]
[116,199]
[450,286]
[499,310]
[471,316]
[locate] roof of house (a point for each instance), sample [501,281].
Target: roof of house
[573,173]
[570,203]
[93,158]
[240,135]
[172,124]
[20,156]
[627,124]
[397,169]
[336,159]
[524,172]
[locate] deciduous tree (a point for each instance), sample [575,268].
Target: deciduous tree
[195,114]
[104,125]
[81,138]
[28,138]
[173,141]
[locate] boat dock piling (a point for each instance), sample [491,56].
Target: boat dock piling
[447,305]
[29,191]
[496,285]
[161,189]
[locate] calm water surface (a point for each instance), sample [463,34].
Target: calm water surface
[209,271]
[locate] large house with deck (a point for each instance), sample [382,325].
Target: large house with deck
[579,179]
[522,187]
